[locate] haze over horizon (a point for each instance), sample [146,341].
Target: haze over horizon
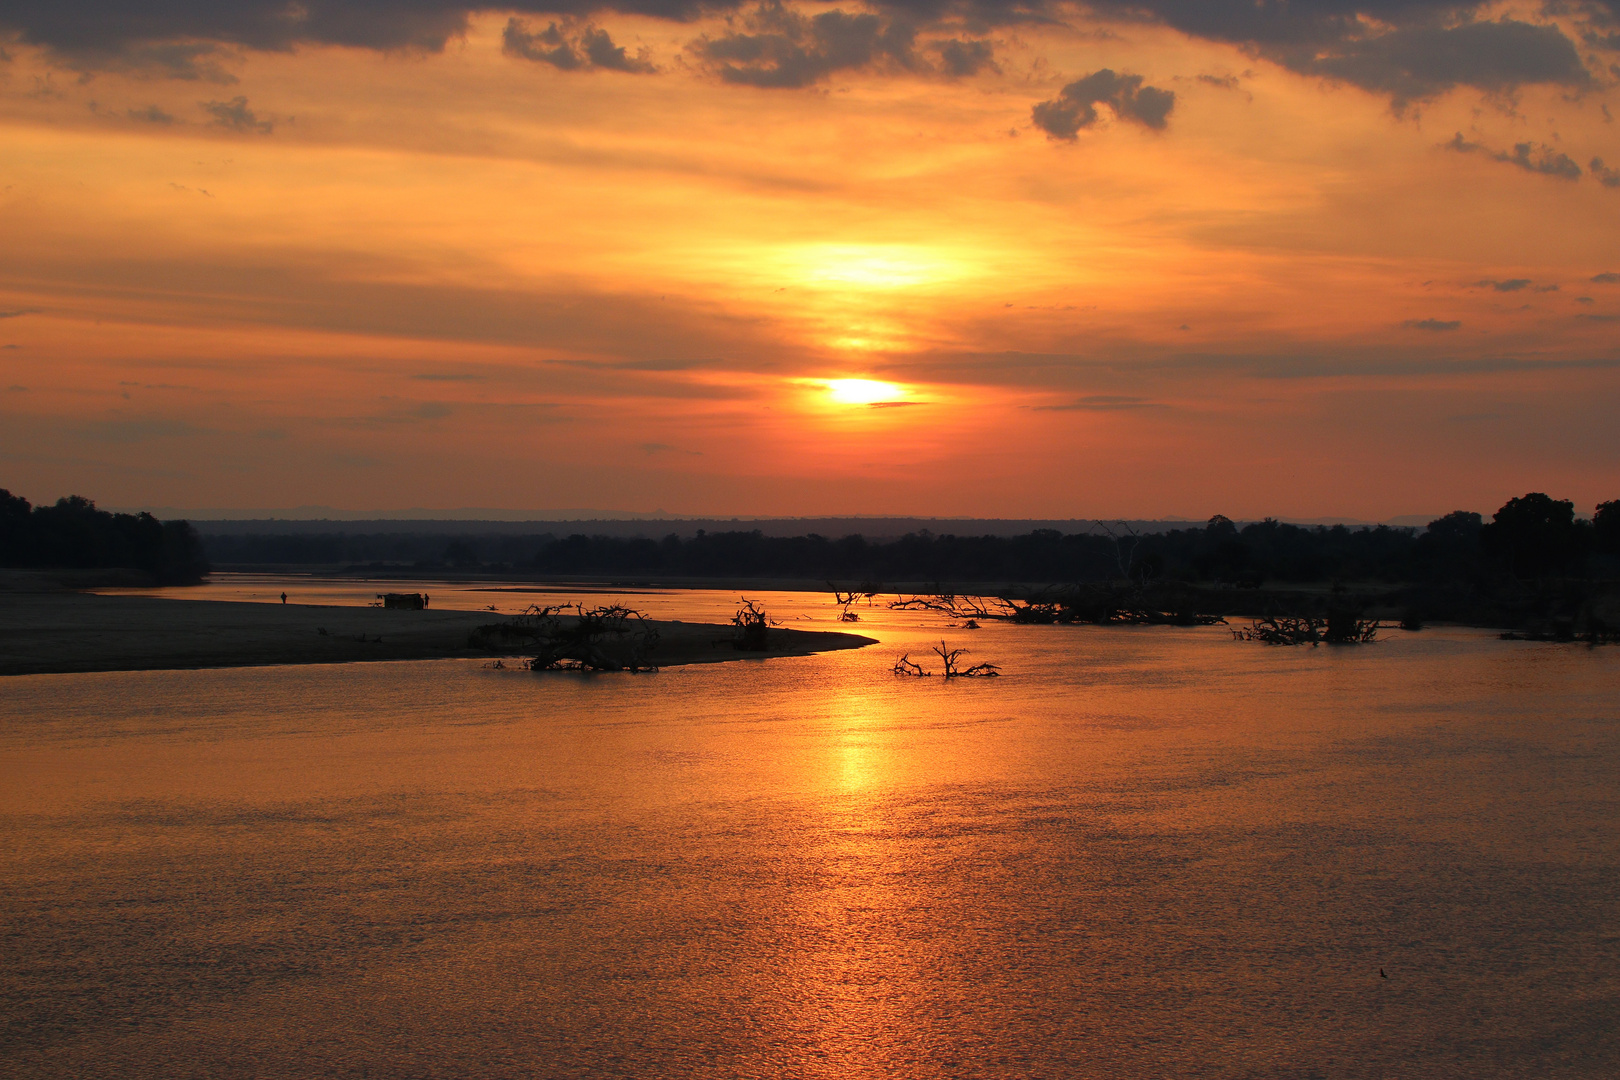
[1029,259]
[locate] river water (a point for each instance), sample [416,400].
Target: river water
[1140,853]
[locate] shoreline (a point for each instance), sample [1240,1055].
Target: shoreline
[44,633]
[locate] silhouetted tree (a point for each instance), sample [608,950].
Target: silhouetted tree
[1606,527]
[73,534]
[1450,546]
[1535,536]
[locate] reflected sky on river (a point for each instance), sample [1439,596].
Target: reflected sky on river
[1142,852]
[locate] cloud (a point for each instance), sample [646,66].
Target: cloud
[1532,157]
[785,50]
[179,37]
[17,313]
[1102,403]
[1605,279]
[1075,107]
[235,115]
[1510,285]
[959,59]
[151,115]
[1407,49]
[138,430]
[1438,325]
[449,376]
[564,48]
[432,410]
[1606,176]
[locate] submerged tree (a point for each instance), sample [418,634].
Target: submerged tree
[848,600]
[608,638]
[1338,628]
[952,667]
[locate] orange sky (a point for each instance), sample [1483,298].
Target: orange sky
[241,271]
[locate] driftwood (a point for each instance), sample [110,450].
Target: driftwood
[1338,628]
[609,638]
[950,658]
[847,600]
[751,628]
[1101,605]
[956,607]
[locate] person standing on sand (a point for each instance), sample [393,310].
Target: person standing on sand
[283,598]
[424,599]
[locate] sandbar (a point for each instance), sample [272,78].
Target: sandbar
[59,632]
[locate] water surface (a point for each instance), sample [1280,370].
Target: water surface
[1141,853]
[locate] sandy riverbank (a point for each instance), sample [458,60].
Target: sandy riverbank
[45,632]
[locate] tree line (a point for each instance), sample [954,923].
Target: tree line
[1531,537]
[73,534]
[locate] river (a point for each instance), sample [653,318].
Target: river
[1139,853]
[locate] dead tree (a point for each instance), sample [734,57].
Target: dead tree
[950,658]
[751,626]
[608,638]
[1124,553]
[1338,628]
[955,607]
[846,600]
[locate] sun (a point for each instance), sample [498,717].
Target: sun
[862,391]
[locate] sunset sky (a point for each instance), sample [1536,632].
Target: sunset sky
[1177,257]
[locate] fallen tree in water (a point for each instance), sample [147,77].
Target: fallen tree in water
[847,600]
[608,638]
[1336,628]
[1119,605]
[950,658]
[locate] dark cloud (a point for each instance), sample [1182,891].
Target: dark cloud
[1510,285]
[1532,157]
[1438,325]
[103,33]
[571,49]
[1408,49]
[1102,403]
[1606,176]
[138,430]
[17,313]
[780,48]
[1606,279]
[959,59]
[151,115]
[235,115]
[1075,107]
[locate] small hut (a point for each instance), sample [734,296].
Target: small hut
[410,601]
